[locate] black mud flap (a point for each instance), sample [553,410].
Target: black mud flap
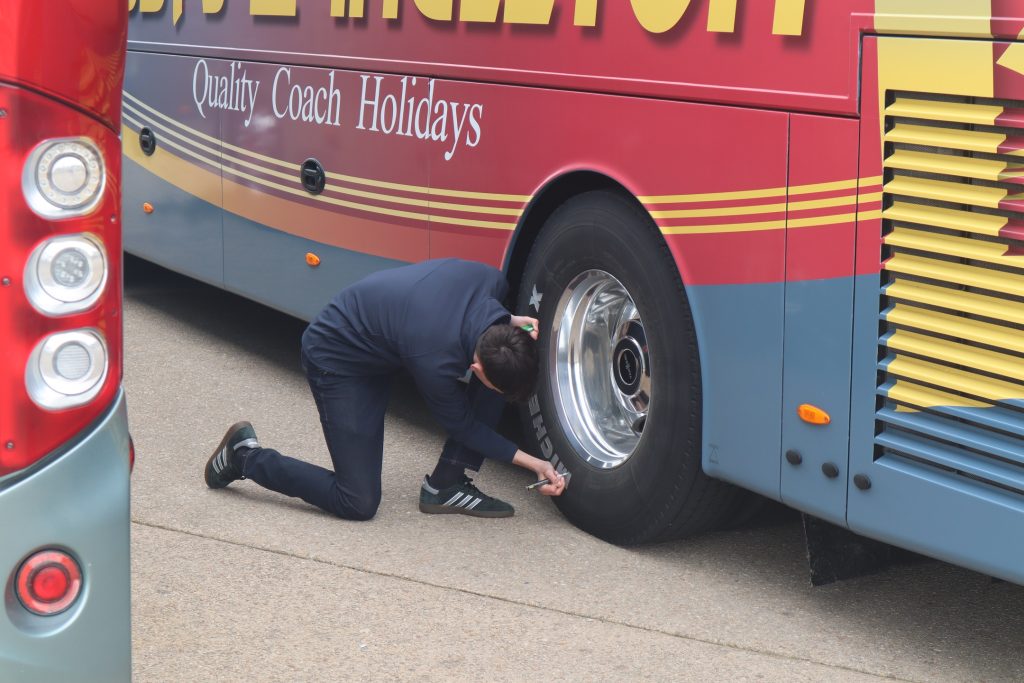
[836,554]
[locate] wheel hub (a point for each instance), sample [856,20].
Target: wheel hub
[602,368]
[628,368]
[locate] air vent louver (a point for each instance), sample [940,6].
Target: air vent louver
[951,346]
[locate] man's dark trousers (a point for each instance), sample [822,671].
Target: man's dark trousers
[352,409]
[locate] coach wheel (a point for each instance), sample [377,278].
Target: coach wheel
[619,396]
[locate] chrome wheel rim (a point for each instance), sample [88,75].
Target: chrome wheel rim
[602,368]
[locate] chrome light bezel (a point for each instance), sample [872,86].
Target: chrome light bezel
[48,389]
[36,184]
[52,298]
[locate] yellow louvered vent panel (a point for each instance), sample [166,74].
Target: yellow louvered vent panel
[951,344]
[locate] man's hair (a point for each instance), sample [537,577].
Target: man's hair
[508,355]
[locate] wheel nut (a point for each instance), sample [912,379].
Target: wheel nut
[830,470]
[794,457]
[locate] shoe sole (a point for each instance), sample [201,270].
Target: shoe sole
[208,473]
[435,509]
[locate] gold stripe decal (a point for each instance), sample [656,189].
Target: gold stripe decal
[294,168]
[853,199]
[179,181]
[762,194]
[867,207]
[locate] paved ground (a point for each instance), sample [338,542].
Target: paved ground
[245,585]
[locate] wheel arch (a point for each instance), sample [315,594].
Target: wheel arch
[544,203]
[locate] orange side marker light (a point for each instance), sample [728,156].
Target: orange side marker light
[813,414]
[147,207]
[312,259]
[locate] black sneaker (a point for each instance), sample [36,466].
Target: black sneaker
[223,468]
[462,499]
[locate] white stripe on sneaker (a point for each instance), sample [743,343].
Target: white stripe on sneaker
[474,504]
[453,498]
[218,463]
[465,502]
[251,442]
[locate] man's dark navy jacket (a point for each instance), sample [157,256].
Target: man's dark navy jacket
[426,318]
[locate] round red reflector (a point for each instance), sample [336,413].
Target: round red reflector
[49,582]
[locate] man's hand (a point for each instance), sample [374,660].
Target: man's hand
[543,470]
[549,473]
[520,320]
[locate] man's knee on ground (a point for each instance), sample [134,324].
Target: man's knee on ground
[356,508]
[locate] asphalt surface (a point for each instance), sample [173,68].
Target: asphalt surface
[246,585]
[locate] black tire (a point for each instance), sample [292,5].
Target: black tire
[659,492]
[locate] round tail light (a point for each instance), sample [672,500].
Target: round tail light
[66,274]
[67,369]
[63,178]
[49,582]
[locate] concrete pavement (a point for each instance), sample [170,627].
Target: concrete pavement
[243,584]
[231,612]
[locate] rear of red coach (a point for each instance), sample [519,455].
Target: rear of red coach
[65,453]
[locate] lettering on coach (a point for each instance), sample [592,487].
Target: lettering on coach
[655,16]
[320,105]
[235,91]
[232,91]
[406,107]
[410,114]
